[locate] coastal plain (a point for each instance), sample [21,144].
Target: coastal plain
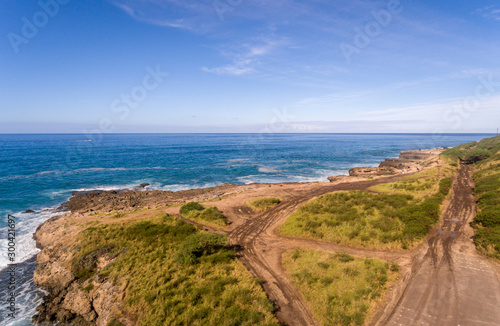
[410,269]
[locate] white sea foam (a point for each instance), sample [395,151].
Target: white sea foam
[179,187]
[77,171]
[26,224]
[107,188]
[28,297]
[268,169]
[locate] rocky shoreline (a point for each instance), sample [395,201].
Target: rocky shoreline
[96,301]
[407,162]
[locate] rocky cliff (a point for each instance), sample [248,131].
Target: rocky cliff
[71,301]
[407,162]
[75,300]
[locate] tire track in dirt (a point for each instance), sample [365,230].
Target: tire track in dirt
[262,250]
[451,284]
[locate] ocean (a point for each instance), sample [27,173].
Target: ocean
[39,172]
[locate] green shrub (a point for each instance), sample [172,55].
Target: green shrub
[445,186]
[199,212]
[487,241]
[487,220]
[191,208]
[262,204]
[85,266]
[344,257]
[371,220]
[476,151]
[200,290]
[197,245]
[341,289]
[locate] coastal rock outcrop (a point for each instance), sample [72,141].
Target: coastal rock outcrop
[410,161]
[407,162]
[107,201]
[369,171]
[71,301]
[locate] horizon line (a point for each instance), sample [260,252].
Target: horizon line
[253,133]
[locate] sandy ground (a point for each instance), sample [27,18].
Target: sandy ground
[262,249]
[443,282]
[451,283]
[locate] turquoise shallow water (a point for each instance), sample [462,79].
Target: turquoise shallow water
[39,172]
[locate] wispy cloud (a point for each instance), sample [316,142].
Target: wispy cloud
[490,12]
[447,115]
[334,99]
[247,56]
[235,69]
[167,13]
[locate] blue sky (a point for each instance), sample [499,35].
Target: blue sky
[249,66]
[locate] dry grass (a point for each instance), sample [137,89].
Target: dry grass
[342,290]
[397,220]
[211,289]
[263,203]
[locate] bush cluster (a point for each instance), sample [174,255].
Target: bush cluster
[486,156]
[194,210]
[200,244]
[487,220]
[368,219]
[173,274]
[340,288]
[264,203]
[476,151]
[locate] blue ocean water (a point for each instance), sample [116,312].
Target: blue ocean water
[39,172]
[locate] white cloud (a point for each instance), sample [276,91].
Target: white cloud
[234,70]
[449,115]
[490,12]
[167,13]
[246,57]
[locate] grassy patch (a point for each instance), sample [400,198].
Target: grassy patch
[208,215]
[485,155]
[341,289]
[476,151]
[175,274]
[264,203]
[487,221]
[384,221]
[416,187]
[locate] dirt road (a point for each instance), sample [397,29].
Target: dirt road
[450,283]
[262,250]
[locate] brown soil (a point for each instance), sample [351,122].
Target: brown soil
[451,284]
[262,249]
[443,282]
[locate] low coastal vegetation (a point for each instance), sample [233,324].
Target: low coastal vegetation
[207,215]
[397,217]
[172,273]
[487,190]
[341,289]
[476,151]
[263,203]
[487,221]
